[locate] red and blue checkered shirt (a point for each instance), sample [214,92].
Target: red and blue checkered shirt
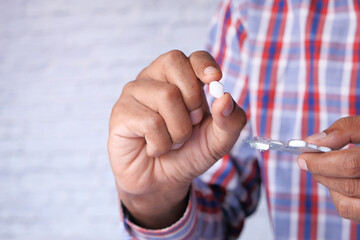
[294,67]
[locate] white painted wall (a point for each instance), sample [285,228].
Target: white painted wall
[62,67]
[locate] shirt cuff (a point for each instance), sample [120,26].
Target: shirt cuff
[184,228]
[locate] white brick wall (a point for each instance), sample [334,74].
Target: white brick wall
[62,67]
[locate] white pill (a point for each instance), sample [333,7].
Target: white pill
[324,149]
[297,143]
[260,146]
[216,89]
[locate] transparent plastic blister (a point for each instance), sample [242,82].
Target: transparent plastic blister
[294,146]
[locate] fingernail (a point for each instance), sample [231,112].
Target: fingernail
[302,164]
[196,116]
[228,109]
[317,137]
[177,146]
[210,70]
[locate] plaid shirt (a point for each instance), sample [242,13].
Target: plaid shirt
[293,66]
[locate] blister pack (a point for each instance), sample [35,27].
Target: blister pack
[295,146]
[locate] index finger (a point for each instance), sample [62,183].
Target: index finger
[339,134]
[205,67]
[339,163]
[174,67]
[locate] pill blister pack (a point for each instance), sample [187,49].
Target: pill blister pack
[294,146]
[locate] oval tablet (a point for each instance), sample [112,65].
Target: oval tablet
[216,89]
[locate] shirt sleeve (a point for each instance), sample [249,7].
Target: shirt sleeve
[221,198]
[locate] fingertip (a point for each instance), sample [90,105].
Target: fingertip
[220,104]
[342,132]
[205,67]
[223,105]
[196,116]
[317,137]
[210,73]
[225,109]
[228,106]
[330,138]
[210,70]
[302,164]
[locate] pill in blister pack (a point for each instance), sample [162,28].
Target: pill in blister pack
[295,146]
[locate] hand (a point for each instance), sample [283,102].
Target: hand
[338,170]
[162,135]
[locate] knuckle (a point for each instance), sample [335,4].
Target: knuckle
[182,134]
[195,98]
[345,209]
[120,107]
[115,112]
[203,53]
[169,93]
[342,207]
[128,87]
[315,166]
[349,121]
[173,56]
[199,54]
[343,122]
[352,166]
[349,187]
[218,152]
[112,121]
[154,123]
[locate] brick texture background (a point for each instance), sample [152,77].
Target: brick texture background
[62,67]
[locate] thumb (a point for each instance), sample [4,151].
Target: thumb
[228,119]
[339,134]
